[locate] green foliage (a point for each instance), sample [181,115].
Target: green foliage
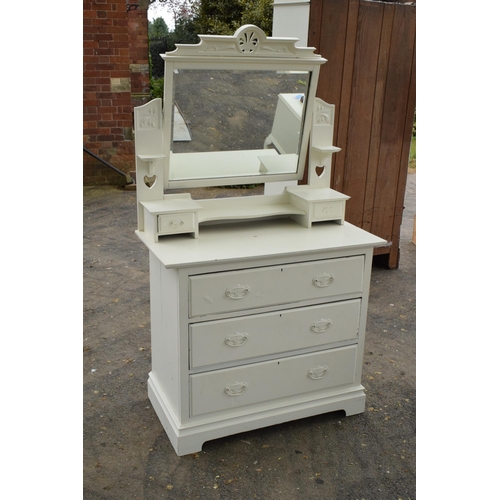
[184,32]
[158,28]
[412,164]
[157,46]
[156,87]
[224,17]
[217,17]
[259,13]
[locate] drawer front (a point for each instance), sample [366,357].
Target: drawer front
[267,286]
[271,380]
[329,210]
[175,223]
[264,334]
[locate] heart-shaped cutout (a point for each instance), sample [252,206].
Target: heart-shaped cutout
[149,181]
[320,170]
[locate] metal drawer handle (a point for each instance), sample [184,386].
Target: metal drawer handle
[321,326]
[322,281]
[236,339]
[177,223]
[237,292]
[317,373]
[236,389]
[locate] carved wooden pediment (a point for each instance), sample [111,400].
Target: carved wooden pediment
[248,41]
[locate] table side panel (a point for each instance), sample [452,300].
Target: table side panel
[165,348]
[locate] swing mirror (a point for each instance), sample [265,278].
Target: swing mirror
[238,109]
[253,119]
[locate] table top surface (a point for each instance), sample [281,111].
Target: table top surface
[257,239]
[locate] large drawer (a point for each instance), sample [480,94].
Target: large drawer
[266,286]
[246,337]
[271,380]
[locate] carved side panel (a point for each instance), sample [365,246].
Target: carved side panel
[148,119]
[321,137]
[323,113]
[148,128]
[150,163]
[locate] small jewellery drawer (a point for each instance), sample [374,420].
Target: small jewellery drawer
[271,380]
[266,286]
[329,210]
[235,339]
[175,223]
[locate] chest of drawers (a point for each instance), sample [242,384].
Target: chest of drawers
[256,324]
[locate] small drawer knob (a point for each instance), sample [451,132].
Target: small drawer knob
[176,223]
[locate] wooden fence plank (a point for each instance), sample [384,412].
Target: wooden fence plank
[409,23]
[369,76]
[378,105]
[393,125]
[342,107]
[315,16]
[361,105]
[329,35]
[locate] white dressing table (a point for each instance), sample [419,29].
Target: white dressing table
[258,304]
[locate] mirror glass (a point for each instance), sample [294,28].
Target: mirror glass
[249,121]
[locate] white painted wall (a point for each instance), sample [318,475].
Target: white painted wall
[291,18]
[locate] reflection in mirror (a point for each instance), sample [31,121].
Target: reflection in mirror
[251,122]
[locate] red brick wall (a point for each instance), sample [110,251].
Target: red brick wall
[139,55]
[115,79]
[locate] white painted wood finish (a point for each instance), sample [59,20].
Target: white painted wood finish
[258,304]
[255,239]
[231,388]
[235,339]
[226,360]
[253,288]
[282,157]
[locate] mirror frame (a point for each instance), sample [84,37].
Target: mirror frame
[248,49]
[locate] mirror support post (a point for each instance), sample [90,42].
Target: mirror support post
[321,149]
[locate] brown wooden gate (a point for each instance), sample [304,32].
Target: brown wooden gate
[370,77]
